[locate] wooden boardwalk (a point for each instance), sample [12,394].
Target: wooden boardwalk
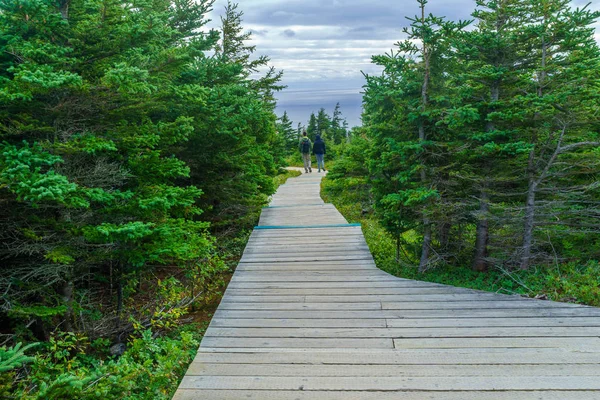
[307,315]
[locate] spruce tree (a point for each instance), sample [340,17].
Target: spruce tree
[288,133]
[323,123]
[483,116]
[339,126]
[558,102]
[402,114]
[312,128]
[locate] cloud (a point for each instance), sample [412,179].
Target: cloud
[333,41]
[289,33]
[259,32]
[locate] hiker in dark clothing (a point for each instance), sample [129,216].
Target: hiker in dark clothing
[305,146]
[319,152]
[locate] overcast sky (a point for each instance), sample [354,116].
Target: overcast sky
[323,45]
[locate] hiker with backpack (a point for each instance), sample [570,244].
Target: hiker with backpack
[319,152]
[305,147]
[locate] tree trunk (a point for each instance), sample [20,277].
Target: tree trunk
[445,234]
[397,247]
[119,301]
[63,6]
[482,232]
[66,292]
[426,249]
[532,170]
[529,223]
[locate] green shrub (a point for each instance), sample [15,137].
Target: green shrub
[150,368]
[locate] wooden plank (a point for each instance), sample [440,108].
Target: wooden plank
[469,356]
[393,383]
[311,274]
[315,322]
[435,332]
[324,265]
[295,248]
[494,322]
[307,257]
[357,240]
[299,306]
[455,305]
[298,323]
[192,394]
[365,298]
[306,277]
[359,276]
[341,269]
[304,343]
[589,344]
[345,370]
[406,315]
[303,231]
[336,284]
[476,305]
[314,252]
[392,298]
[346,291]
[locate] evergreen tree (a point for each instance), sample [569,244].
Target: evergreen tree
[299,129]
[288,133]
[483,116]
[231,152]
[312,128]
[557,105]
[323,123]
[339,126]
[489,135]
[402,111]
[123,130]
[87,171]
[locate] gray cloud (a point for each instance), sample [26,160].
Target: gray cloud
[259,32]
[349,13]
[289,33]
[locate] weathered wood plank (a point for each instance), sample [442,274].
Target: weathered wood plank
[440,383]
[315,322]
[469,356]
[415,314]
[345,291]
[587,344]
[299,323]
[304,343]
[396,284]
[191,394]
[365,298]
[430,332]
[423,305]
[307,257]
[345,370]
[299,306]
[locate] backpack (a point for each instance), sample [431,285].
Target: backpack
[306,146]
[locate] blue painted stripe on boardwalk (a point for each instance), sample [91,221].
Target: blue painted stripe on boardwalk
[304,226]
[299,205]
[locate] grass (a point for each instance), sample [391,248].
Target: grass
[283,177]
